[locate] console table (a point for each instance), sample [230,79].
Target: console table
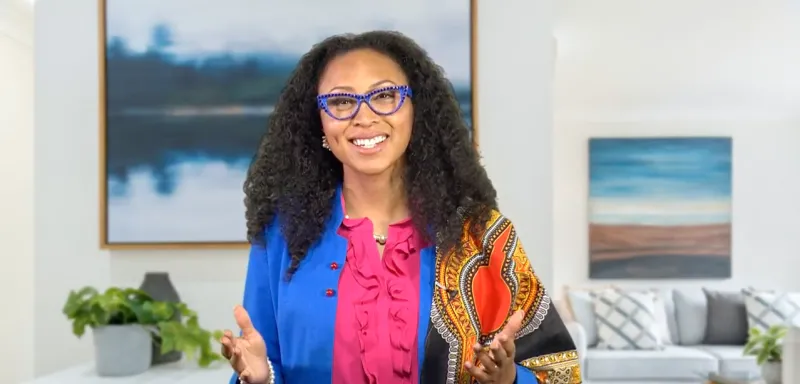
[178,373]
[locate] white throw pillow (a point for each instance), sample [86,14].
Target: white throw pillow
[662,319]
[581,307]
[627,320]
[768,308]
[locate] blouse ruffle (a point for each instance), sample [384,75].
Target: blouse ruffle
[399,289]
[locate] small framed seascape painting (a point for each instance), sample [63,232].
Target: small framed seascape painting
[187,88]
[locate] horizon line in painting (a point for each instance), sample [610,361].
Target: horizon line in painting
[660,208]
[189,90]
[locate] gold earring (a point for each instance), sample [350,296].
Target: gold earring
[325,143]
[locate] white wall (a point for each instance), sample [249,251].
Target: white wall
[515,118]
[67,254]
[627,68]
[66,195]
[16,190]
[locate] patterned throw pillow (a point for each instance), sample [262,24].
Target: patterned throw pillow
[627,320]
[768,308]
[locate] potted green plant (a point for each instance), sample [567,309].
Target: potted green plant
[767,347]
[124,323]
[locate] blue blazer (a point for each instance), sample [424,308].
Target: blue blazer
[296,317]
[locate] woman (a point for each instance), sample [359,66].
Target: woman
[377,254]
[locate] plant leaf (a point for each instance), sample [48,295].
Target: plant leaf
[766,346]
[88,307]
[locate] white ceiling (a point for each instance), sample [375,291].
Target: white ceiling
[712,55]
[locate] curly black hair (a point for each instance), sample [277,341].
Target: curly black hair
[293,178]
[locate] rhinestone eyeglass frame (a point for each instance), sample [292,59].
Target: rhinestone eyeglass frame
[404,90]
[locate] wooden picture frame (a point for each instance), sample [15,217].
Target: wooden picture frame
[123,224]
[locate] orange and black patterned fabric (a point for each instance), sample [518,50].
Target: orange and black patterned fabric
[477,288]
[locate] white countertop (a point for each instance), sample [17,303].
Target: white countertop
[178,373]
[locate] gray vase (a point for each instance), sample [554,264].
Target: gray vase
[772,372]
[159,286]
[122,350]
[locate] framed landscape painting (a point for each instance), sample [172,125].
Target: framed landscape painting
[660,208]
[187,88]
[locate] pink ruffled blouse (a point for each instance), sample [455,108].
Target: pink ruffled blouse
[378,306]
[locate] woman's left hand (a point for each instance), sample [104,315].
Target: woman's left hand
[495,365]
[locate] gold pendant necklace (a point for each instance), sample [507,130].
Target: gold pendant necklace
[381,239]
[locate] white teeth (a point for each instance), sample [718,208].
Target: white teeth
[369,143]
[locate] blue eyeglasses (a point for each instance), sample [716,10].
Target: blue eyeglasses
[383,101]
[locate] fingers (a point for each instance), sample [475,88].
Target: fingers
[243,320]
[478,373]
[514,324]
[505,346]
[506,337]
[227,344]
[499,349]
[499,354]
[485,360]
[232,351]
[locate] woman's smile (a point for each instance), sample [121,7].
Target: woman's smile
[369,144]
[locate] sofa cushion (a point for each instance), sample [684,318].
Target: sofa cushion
[727,318]
[671,363]
[691,314]
[768,308]
[627,319]
[732,360]
[666,317]
[581,307]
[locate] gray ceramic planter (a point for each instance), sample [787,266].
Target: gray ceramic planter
[122,350]
[772,372]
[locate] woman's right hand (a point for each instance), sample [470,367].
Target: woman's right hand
[248,352]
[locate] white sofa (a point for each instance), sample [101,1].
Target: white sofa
[685,360]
